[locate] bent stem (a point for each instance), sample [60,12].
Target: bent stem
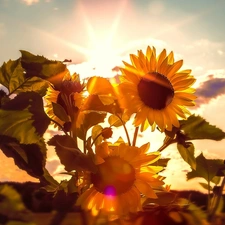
[135,136]
[125,129]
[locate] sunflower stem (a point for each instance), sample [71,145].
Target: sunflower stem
[135,136]
[217,200]
[166,143]
[125,129]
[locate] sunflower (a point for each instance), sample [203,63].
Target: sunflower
[69,97]
[123,175]
[158,91]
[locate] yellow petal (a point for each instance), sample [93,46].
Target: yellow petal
[145,189]
[174,68]
[170,58]
[103,150]
[148,178]
[148,52]
[161,57]
[143,160]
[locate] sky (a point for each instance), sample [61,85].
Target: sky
[98,35]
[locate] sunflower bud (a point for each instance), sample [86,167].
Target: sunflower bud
[107,132]
[68,87]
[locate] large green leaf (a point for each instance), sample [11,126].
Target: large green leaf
[206,168]
[70,156]
[12,76]
[30,158]
[187,153]
[90,119]
[24,118]
[195,127]
[39,66]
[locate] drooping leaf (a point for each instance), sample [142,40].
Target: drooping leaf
[206,168]
[39,66]
[195,127]
[24,118]
[99,86]
[70,156]
[116,121]
[60,112]
[187,153]
[31,157]
[12,76]
[90,119]
[93,102]
[161,162]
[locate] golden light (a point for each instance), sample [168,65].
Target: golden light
[103,58]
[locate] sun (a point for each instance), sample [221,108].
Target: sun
[103,57]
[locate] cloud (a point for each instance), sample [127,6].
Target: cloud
[210,89]
[30,2]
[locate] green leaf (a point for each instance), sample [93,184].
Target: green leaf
[71,157]
[30,158]
[187,153]
[115,121]
[161,162]
[35,84]
[206,168]
[90,119]
[12,76]
[216,180]
[24,115]
[206,186]
[195,127]
[60,112]
[94,103]
[39,66]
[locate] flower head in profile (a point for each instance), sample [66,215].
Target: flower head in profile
[69,97]
[155,89]
[124,173]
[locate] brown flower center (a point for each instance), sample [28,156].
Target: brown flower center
[114,177]
[155,90]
